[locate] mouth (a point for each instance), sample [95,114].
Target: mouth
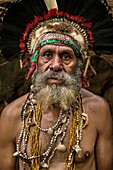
[55,80]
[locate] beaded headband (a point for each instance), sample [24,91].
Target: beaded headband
[57,39]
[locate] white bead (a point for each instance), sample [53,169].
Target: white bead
[31,87]
[31,95]
[34,101]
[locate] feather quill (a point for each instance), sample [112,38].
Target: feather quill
[50,4]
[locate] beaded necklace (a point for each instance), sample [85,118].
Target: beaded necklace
[31,117]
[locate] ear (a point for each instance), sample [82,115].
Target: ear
[85,82]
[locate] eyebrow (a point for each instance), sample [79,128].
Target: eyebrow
[65,49]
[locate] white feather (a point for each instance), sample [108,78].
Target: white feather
[51,4]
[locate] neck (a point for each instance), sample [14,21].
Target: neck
[51,114]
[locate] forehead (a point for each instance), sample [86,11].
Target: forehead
[56,48]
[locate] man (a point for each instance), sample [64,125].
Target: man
[58,125]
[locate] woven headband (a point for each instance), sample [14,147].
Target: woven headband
[57,39]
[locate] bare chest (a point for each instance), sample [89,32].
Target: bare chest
[55,146]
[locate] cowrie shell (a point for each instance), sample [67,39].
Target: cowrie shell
[61,148]
[16,153]
[50,131]
[45,165]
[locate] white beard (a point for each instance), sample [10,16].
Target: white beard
[63,95]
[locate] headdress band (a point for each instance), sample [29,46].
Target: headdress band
[56,38]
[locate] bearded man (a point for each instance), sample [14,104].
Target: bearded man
[58,125]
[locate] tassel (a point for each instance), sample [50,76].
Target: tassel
[51,4]
[31,70]
[25,62]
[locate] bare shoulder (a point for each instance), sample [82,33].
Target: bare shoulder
[98,109]
[10,117]
[94,101]
[13,109]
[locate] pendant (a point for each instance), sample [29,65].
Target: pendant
[50,131]
[57,132]
[85,120]
[78,150]
[16,153]
[45,165]
[64,119]
[61,148]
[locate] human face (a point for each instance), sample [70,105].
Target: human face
[56,58]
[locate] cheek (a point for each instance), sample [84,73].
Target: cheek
[41,66]
[70,68]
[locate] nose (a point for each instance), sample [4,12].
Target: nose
[56,63]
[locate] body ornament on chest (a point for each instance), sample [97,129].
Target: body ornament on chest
[31,118]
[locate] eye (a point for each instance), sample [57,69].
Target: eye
[66,57]
[47,56]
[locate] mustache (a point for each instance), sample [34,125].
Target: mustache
[62,95]
[66,78]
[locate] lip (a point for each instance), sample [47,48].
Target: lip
[55,80]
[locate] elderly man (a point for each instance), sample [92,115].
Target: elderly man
[58,125]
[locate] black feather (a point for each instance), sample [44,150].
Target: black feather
[21,13]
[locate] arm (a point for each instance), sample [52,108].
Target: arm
[7,145]
[104,144]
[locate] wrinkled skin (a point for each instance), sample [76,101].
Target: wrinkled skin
[97,136]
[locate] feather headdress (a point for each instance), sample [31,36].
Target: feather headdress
[25,21]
